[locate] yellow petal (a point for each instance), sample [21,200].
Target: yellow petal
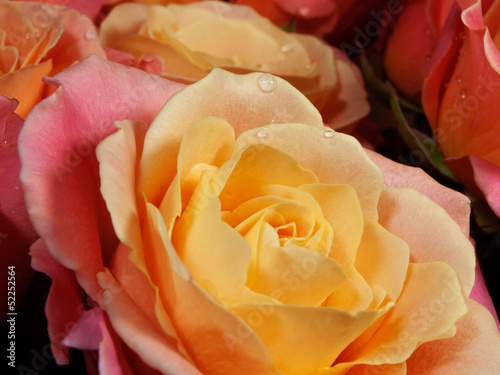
[216,340]
[341,209]
[301,339]
[383,259]
[224,95]
[260,165]
[118,156]
[216,255]
[335,158]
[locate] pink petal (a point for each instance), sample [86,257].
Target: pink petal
[475,349]
[92,332]
[480,176]
[139,334]
[64,305]
[480,294]
[456,204]
[60,172]
[16,231]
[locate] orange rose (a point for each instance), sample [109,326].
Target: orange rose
[193,39]
[418,26]
[461,94]
[235,234]
[38,40]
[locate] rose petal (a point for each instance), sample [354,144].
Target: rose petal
[480,294]
[335,158]
[399,175]
[475,349]
[59,175]
[216,340]
[480,176]
[25,85]
[64,302]
[16,231]
[296,336]
[92,332]
[89,8]
[413,218]
[226,96]
[415,319]
[138,333]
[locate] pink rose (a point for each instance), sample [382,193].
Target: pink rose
[16,232]
[199,236]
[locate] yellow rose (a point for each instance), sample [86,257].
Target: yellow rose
[192,39]
[237,235]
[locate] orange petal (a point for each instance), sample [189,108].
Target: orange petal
[475,349]
[25,85]
[416,318]
[414,218]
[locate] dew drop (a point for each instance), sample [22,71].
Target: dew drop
[262,133]
[459,79]
[266,82]
[16,188]
[329,133]
[463,94]
[427,32]
[91,35]
[273,121]
[304,11]
[27,36]
[287,47]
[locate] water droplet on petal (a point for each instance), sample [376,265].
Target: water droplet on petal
[427,32]
[459,79]
[27,36]
[267,82]
[304,11]
[91,35]
[463,94]
[16,188]
[462,53]
[329,133]
[463,36]
[273,121]
[287,47]
[262,133]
